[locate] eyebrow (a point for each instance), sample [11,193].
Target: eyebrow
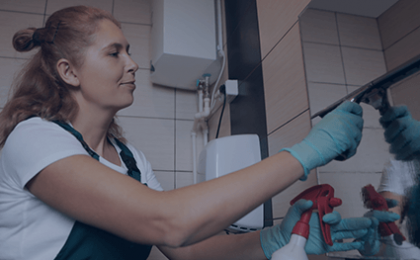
[118,46]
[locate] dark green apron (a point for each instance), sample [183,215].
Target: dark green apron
[87,242]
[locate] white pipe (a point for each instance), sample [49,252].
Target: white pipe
[200,100]
[194,155]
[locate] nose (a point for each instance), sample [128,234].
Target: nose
[132,66]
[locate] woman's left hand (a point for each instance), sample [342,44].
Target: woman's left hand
[278,236]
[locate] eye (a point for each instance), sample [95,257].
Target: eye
[114,54]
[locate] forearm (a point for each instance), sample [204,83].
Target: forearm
[221,247]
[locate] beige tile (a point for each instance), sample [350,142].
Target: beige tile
[186,104]
[138,37]
[319,26]
[403,50]
[150,100]
[275,18]
[55,5]
[284,81]
[155,254]
[9,69]
[183,145]
[407,93]
[362,66]
[323,63]
[398,21]
[370,157]
[183,179]
[28,6]
[281,202]
[133,11]
[358,31]
[166,179]
[321,95]
[11,23]
[348,187]
[213,123]
[154,137]
[289,134]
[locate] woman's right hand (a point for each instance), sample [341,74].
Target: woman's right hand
[338,132]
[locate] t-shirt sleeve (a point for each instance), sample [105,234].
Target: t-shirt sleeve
[147,174]
[33,145]
[397,177]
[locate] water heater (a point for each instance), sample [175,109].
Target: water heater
[228,154]
[183,42]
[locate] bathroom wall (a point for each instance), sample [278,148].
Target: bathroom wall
[343,52]
[160,120]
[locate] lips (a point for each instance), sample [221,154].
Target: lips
[130,84]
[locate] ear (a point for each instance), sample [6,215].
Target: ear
[67,72]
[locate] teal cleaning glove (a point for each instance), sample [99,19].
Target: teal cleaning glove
[278,236]
[338,132]
[370,242]
[402,132]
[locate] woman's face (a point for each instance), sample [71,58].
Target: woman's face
[107,75]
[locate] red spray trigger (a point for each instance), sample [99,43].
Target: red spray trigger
[323,200]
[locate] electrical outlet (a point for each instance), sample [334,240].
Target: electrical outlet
[231,86]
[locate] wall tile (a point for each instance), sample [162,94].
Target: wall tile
[150,100]
[275,18]
[321,95]
[138,37]
[154,137]
[284,81]
[183,179]
[183,145]
[399,21]
[348,188]
[186,104]
[10,23]
[370,157]
[319,26]
[55,5]
[9,68]
[403,50]
[362,66]
[290,134]
[166,179]
[133,11]
[323,63]
[358,31]
[407,93]
[28,6]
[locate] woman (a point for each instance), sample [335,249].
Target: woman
[68,188]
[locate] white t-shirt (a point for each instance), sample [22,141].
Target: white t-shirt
[397,177]
[30,229]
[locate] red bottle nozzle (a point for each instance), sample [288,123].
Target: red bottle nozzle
[374,200]
[323,199]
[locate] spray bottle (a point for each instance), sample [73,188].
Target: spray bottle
[323,200]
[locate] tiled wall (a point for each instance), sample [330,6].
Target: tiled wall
[343,52]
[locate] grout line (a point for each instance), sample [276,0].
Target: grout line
[112,8]
[341,52]
[290,120]
[175,92]
[11,11]
[45,13]
[340,45]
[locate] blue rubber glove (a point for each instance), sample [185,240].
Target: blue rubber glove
[338,132]
[278,236]
[371,242]
[402,132]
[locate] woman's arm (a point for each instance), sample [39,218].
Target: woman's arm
[90,192]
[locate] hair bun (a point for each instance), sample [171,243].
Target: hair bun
[24,41]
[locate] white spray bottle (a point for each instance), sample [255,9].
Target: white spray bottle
[323,199]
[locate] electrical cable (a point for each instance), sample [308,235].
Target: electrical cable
[222,90]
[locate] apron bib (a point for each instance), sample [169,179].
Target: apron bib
[88,242]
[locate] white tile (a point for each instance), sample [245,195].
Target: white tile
[348,188]
[358,31]
[403,50]
[323,63]
[166,179]
[186,104]
[183,145]
[9,69]
[322,95]
[133,11]
[183,179]
[11,23]
[154,137]
[138,36]
[319,26]
[28,6]
[362,66]
[55,5]
[150,100]
[370,157]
